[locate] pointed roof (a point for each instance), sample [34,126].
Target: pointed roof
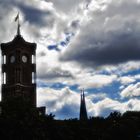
[83,110]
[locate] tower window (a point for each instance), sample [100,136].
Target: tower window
[33,59]
[33,77]
[4,78]
[4,59]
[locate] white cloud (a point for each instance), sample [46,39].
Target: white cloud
[129,66]
[71,77]
[132,90]
[56,101]
[137,76]
[65,103]
[96,81]
[99,96]
[125,80]
[107,105]
[51,70]
[65,5]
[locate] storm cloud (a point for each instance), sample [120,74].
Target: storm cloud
[110,38]
[36,15]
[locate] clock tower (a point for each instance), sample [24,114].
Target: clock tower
[19,70]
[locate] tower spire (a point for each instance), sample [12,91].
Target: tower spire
[83,110]
[18,24]
[18,29]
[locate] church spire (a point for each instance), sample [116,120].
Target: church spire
[83,110]
[18,24]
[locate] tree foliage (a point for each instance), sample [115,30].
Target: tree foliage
[22,122]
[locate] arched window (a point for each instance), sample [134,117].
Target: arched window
[4,78]
[4,59]
[33,59]
[33,77]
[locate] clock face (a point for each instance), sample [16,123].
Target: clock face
[12,59]
[24,58]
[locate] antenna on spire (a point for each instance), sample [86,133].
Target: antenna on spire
[18,24]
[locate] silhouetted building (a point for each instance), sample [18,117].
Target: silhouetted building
[19,70]
[83,110]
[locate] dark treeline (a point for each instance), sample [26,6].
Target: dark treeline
[114,127]
[25,123]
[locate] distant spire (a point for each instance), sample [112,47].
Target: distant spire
[18,24]
[83,110]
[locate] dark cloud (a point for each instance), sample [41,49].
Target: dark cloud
[75,23]
[32,14]
[36,16]
[55,73]
[121,48]
[110,39]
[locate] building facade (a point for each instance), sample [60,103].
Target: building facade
[19,72]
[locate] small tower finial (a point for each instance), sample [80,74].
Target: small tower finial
[18,24]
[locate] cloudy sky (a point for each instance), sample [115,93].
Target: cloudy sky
[90,44]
